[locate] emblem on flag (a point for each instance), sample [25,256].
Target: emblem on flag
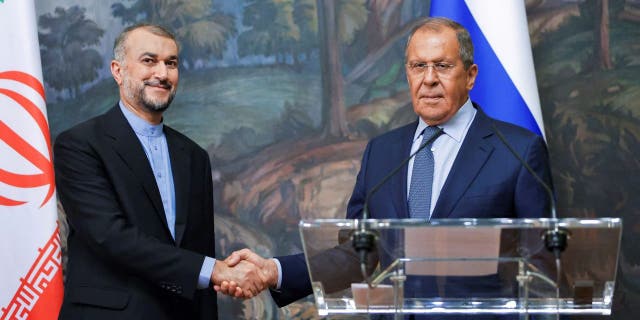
[21,146]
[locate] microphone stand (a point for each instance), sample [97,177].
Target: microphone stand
[364,239]
[555,239]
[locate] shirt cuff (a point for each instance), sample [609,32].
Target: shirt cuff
[279,273]
[205,272]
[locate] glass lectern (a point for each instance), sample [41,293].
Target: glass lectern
[462,266]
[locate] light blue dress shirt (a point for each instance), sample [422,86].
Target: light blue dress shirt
[445,148]
[154,143]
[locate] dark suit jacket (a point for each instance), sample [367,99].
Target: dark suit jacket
[485,181]
[123,262]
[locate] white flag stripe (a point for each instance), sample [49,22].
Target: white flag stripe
[506,42]
[19,35]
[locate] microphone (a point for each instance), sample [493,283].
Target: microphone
[555,239]
[363,239]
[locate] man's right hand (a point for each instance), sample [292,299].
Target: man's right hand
[241,280]
[258,274]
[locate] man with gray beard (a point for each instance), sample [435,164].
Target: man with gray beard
[139,200]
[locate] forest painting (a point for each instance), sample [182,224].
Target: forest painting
[284,95]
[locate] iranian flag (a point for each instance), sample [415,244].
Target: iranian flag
[30,256]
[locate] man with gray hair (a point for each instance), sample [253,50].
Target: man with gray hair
[466,171]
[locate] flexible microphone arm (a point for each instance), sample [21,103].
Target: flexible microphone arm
[555,240]
[552,200]
[363,239]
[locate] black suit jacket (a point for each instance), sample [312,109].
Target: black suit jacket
[123,262]
[485,181]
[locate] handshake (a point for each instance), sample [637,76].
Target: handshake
[244,274]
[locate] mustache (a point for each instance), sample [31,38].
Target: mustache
[159,83]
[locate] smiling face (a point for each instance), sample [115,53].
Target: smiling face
[437,96]
[148,73]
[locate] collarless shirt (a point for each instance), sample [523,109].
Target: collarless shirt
[154,143]
[445,148]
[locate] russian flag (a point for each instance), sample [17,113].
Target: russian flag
[506,84]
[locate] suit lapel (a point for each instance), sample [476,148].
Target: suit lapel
[128,147]
[399,181]
[180,164]
[473,154]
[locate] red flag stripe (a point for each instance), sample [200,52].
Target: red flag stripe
[44,275]
[48,304]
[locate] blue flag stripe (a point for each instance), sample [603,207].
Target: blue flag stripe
[493,89]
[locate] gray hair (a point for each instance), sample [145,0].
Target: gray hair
[119,47]
[464,39]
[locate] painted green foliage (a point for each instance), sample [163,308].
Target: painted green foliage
[67,38]
[592,115]
[289,28]
[202,30]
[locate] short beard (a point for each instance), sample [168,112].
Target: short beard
[137,94]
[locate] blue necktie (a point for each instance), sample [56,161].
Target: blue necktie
[422,179]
